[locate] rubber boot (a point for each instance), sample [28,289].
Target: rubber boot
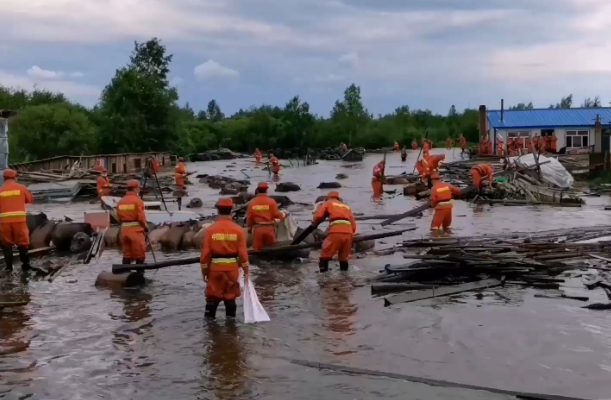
[24,256]
[343,265]
[230,308]
[211,307]
[126,261]
[141,272]
[323,265]
[8,257]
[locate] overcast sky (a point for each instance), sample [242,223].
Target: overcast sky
[423,53]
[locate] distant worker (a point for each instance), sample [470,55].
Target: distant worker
[99,166]
[180,173]
[414,144]
[224,252]
[519,145]
[449,143]
[480,171]
[483,145]
[155,165]
[13,226]
[500,148]
[377,182]
[553,144]
[261,217]
[529,145]
[343,146]
[396,147]
[342,227]
[463,143]
[103,185]
[403,154]
[130,211]
[511,147]
[274,164]
[426,148]
[422,166]
[441,201]
[258,156]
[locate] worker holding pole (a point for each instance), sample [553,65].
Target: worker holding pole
[441,201]
[377,182]
[130,211]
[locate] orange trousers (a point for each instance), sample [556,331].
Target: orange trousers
[263,235]
[442,219]
[14,234]
[180,180]
[340,243]
[477,178]
[258,160]
[378,188]
[223,285]
[275,169]
[133,243]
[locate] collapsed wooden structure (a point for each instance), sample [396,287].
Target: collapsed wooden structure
[447,266]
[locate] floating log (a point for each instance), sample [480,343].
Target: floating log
[377,288]
[439,292]
[122,280]
[121,268]
[12,303]
[510,202]
[411,212]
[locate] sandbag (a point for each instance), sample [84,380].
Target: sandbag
[187,240]
[329,185]
[41,237]
[195,202]
[35,220]
[287,187]
[156,234]
[283,201]
[363,246]
[80,243]
[64,232]
[341,176]
[112,237]
[171,240]
[198,239]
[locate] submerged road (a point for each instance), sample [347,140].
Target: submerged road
[75,341]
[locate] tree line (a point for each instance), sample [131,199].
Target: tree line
[139,111]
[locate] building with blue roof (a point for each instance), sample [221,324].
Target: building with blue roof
[574,128]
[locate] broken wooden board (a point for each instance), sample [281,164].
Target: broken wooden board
[440,292]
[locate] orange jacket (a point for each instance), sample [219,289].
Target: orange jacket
[13,198]
[156,165]
[449,143]
[378,170]
[462,139]
[485,170]
[341,219]
[520,143]
[180,169]
[224,246]
[103,183]
[130,211]
[441,194]
[274,161]
[99,167]
[263,210]
[258,154]
[433,162]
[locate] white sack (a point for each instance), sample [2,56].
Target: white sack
[285,229]
[253,310]
[552,172]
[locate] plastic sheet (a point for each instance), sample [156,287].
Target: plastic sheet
[285,229]
[253,310]
[553,172]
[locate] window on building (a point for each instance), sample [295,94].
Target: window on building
[576,139]
[125,168]
[518,134]
[137,164]
[162,160]
[114,168]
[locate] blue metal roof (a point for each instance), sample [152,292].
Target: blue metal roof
[548,117]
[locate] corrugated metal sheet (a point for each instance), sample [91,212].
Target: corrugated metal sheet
[553,117]
[55,191]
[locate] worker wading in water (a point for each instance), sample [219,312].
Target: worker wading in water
[103,184]
[463,144]
[261,217]
[342,227]
[180,173]
[433,162]
[403,154]
[441,201]
[449,144]
[395,146]
[377,182]
[274,164]
[224,252]
[414,144]
[130,211]
[13,227]
[258,156]
[479,172]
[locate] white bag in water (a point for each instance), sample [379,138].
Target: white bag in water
[253,310]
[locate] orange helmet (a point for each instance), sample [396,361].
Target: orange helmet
[224,202]
[333,195]
[10,174]
[263,185]
[133,184]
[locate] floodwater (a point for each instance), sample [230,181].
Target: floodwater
[75,341]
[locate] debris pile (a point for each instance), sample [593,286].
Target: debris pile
[448,266]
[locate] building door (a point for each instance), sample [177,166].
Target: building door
[606,144]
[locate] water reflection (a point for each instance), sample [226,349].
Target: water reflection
[224,364]
[13,323]
[136,305]
[336,292]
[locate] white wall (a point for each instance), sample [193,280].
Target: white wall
[560,133]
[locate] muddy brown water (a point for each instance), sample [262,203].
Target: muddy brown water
[75,341]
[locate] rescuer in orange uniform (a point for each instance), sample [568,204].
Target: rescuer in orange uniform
[223,253]
[103,185]
[519,145]
[261,216]
[130,211]
[414,144]
[258,156]
[99,166]
[422,166]
[463,143]
[529,145]
[553,144]
[403,154]
[426,148]
[441,201]
[155,165]
[449,143]
[377,182]
[433,162]
[180,173]
[395,146]
[13,227]
[479,172]
[500,148]
[274,164]
[342,227]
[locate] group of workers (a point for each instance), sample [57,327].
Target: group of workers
[272,162]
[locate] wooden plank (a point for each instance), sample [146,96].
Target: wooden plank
[445,291]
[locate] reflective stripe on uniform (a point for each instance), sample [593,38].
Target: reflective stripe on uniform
[340,222]
[443,189]
[228,260]
[128,224]
[13,214]
[445,203]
